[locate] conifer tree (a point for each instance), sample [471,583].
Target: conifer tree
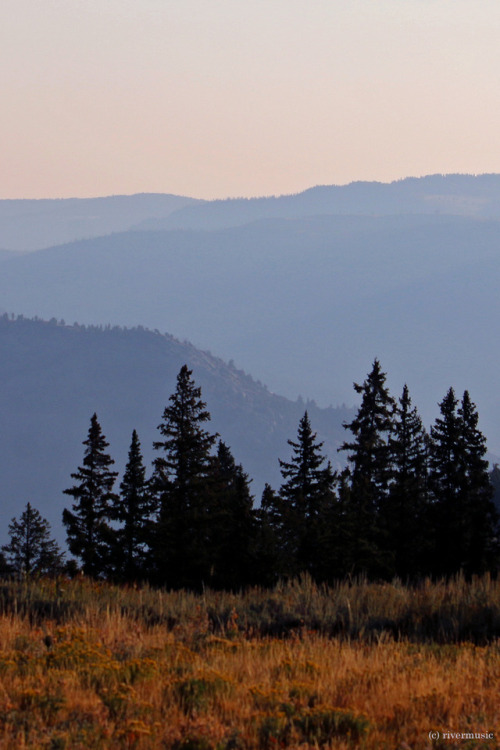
[232,523]
[495,483]
[369,472]
[465,518]
[307,492]
[476,495]
[181,482]
[445,467]
[31,550]
[405,511]
[89,535]
[132,509]
[270,558]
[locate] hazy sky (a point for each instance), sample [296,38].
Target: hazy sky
[216,98]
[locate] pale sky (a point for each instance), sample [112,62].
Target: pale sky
[218,98]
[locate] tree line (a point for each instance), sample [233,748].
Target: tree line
[410,503]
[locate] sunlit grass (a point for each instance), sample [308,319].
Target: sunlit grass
[88,665]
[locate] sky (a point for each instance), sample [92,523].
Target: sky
[223,98]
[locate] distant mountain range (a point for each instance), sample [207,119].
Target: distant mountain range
[35,224]
[465,195]
[53,378]
[301,291]
[303,304]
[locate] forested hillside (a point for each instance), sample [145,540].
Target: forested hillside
[454,194]
[53,377]
[410,502]
[302,304]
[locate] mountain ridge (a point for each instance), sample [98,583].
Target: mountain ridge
[54,377]
[295,301]
[31,224]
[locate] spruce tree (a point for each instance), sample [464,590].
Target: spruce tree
[465,517]
[270,557]
[181,482]
[31,550]
[369,472]
[132,510]
[232,524]
[480,530]
[307,492]
[445,467]
[405,511]
[495,483]
[88,531]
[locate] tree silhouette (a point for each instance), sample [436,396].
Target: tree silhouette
[31,549]
[369,474]
[181,482]
[307,493]
[465,517]
[232,523]
[132,509]
[88,532]
[404,514]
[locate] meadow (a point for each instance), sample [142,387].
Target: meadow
[87,664]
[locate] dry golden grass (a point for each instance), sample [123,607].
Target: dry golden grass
[102,678]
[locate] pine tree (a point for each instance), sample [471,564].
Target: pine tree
[270,556]
[307,492]
[369,473]
[232,523]
[480,530]
[31,549]
[445,467]
[181,481]
[88,532]
[405,511]
[132,509]
[495,483]
[465,518]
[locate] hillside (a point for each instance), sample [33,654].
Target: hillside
[33,224]
[53,377]
[303,304]
[455,194]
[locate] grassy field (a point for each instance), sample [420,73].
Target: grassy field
[89,665]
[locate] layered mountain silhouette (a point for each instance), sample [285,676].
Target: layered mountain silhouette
[53,377]
[34,224]
[301,291]
[466,195]
[303,304]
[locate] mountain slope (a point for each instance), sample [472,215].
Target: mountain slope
[304,304]
[33,224]
[456,194]
[53,377]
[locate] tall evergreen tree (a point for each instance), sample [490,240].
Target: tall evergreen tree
[308,491]
[271,560]
[132,509]
[31,550]
[87,526]
[181,481]
[465,518]
[369,472]
[445,467]
[405,511]
[495,483]
[232,524]
[481,528]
